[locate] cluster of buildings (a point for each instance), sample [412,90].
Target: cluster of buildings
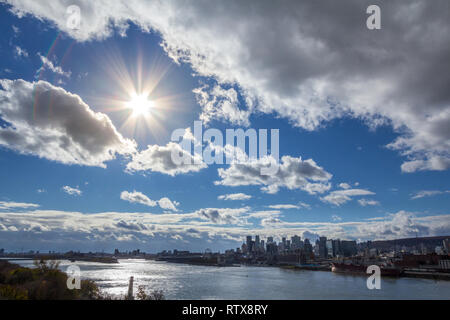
[412,246]
[322,248]
[433,252]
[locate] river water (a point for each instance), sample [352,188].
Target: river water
[182,281]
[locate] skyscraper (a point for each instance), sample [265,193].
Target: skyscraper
[349,248]
[308,247]
[329,252]
[337,248]
[295,242]
[249,244]
[323,247]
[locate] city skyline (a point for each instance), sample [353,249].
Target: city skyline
[87,114]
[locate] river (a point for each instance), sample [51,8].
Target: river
[182,281]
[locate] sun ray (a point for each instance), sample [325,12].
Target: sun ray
[137,100]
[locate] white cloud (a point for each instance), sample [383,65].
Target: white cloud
[221,104]
[15,29]
[335,217]
[289,206]
[71,134]
[340,197]
[264,214]
[47,64]
[344,185]
[19,52]
[428,193]
[269,222]
[7,205]
[293,173]
[311,78]
[304,205]
[139,197]
[166,203]
[405,224]
[159,159]
[72,191]
[234,196]
[435,163]
[368,202]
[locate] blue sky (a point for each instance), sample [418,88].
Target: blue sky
[36,212]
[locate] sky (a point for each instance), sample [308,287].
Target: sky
[363,118]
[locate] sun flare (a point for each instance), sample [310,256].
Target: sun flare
[140,105]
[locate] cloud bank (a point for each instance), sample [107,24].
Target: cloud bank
[217,228]
[318,71]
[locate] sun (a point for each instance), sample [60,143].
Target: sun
[140,105]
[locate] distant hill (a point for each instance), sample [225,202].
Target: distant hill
[408,242]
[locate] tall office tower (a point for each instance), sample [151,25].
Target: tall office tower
[337,248]
[308,247]
[257,242]
[323,247]
[330,252]
[295,242]
[249,243]
[349,248]
[269,239]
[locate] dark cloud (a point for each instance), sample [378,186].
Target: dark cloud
[222,216]
[135,226]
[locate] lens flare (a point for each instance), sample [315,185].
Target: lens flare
[140,105]
[136,94]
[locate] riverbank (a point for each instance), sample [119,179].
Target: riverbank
[43,282]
